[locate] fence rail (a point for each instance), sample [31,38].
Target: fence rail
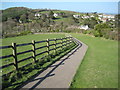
[63,42]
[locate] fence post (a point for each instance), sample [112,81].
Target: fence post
[73,40]
[48,46]
[55,45]
[15,55]
[61,43]
[33,48]
[70,40]
[66,42]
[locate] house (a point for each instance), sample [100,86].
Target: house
[85,27]
[92,16]
[55,14]
[76,16]
[37,15]
[104,20]
[104,17]
[85,17]
[20,21]
[100,15]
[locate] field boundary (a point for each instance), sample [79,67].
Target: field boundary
[66,41]
[61,73]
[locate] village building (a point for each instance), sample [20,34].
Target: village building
[105,18]
[85,27]
[76,16]
[55,14]
[85,17]
[37,15]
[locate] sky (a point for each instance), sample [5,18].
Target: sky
[59,0]
[100,7]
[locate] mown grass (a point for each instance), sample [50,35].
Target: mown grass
[99,68]
[16,79]
[25,39]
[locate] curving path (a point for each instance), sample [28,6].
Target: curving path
[61,73]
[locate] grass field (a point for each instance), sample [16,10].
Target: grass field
[17,78]
[25,39]
[99,68]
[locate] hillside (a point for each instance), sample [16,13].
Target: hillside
[19,21]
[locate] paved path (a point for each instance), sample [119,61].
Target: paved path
[61,73]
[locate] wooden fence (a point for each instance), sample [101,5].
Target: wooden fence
[64,42]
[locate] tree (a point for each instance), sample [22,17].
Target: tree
[76,20]
[117,21]
[100,28]
[86,22]
[23,18]
[43,17]
[62,14]
[92,23]
[14,12]
[51,14]
[31,16]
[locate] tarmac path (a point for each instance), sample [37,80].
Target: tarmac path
[61,73]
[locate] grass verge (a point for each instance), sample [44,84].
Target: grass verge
[99,68]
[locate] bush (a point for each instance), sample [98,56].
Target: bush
[67,31]
[10,35]
[89,31]
[84,32]
[25,33]
[16,34]
[96,33]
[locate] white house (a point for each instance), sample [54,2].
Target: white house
[84,17]
[104,17]
[37,15]
[76,16]
[104,20]
[55,14]
[85,27]
[92,16]
[20,21]
[100,15]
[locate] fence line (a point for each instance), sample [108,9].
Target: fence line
[64,42]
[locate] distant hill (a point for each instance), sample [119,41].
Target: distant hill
[13,12]
[21,21]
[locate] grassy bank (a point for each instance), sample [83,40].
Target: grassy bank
[99,68]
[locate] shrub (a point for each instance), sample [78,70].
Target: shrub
[84,32]
[25,33]
[96,33]
[89,31]
[10,35]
